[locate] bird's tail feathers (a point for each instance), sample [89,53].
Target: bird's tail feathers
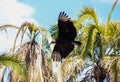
[56,56]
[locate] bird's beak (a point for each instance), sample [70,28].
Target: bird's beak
[52,42]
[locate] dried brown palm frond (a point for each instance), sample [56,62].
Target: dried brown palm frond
[21,51]
[35,64]
[33,32]
[69,66]
[2,72]
[99,73]
[34,61]
[31,53]
[14,77]
[112,65]
[21,54]
[48,66]
[3,27]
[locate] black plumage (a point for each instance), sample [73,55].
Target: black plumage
[65,39]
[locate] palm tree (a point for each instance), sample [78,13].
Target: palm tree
[31,53]
[9,60]
[99,42]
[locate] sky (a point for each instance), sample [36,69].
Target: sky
[45,13]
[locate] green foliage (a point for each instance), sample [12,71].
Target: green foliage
[54,31]
[98,39]
[110,14]
[88,14]
[13,62]
[88,42]
[115,70]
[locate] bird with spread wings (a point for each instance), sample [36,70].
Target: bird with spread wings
[64,43]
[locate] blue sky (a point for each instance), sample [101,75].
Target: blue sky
[46,11]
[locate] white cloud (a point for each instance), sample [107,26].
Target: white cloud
[13,12]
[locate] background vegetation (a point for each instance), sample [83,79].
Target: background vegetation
[96,60]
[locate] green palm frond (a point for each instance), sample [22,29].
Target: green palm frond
[113,31]
[69,66]
[110,14]
[12,62]
[87,14]
[101,28]
[88,42]
[54,31]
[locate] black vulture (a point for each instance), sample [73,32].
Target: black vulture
[64,43]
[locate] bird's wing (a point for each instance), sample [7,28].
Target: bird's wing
[66,27]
